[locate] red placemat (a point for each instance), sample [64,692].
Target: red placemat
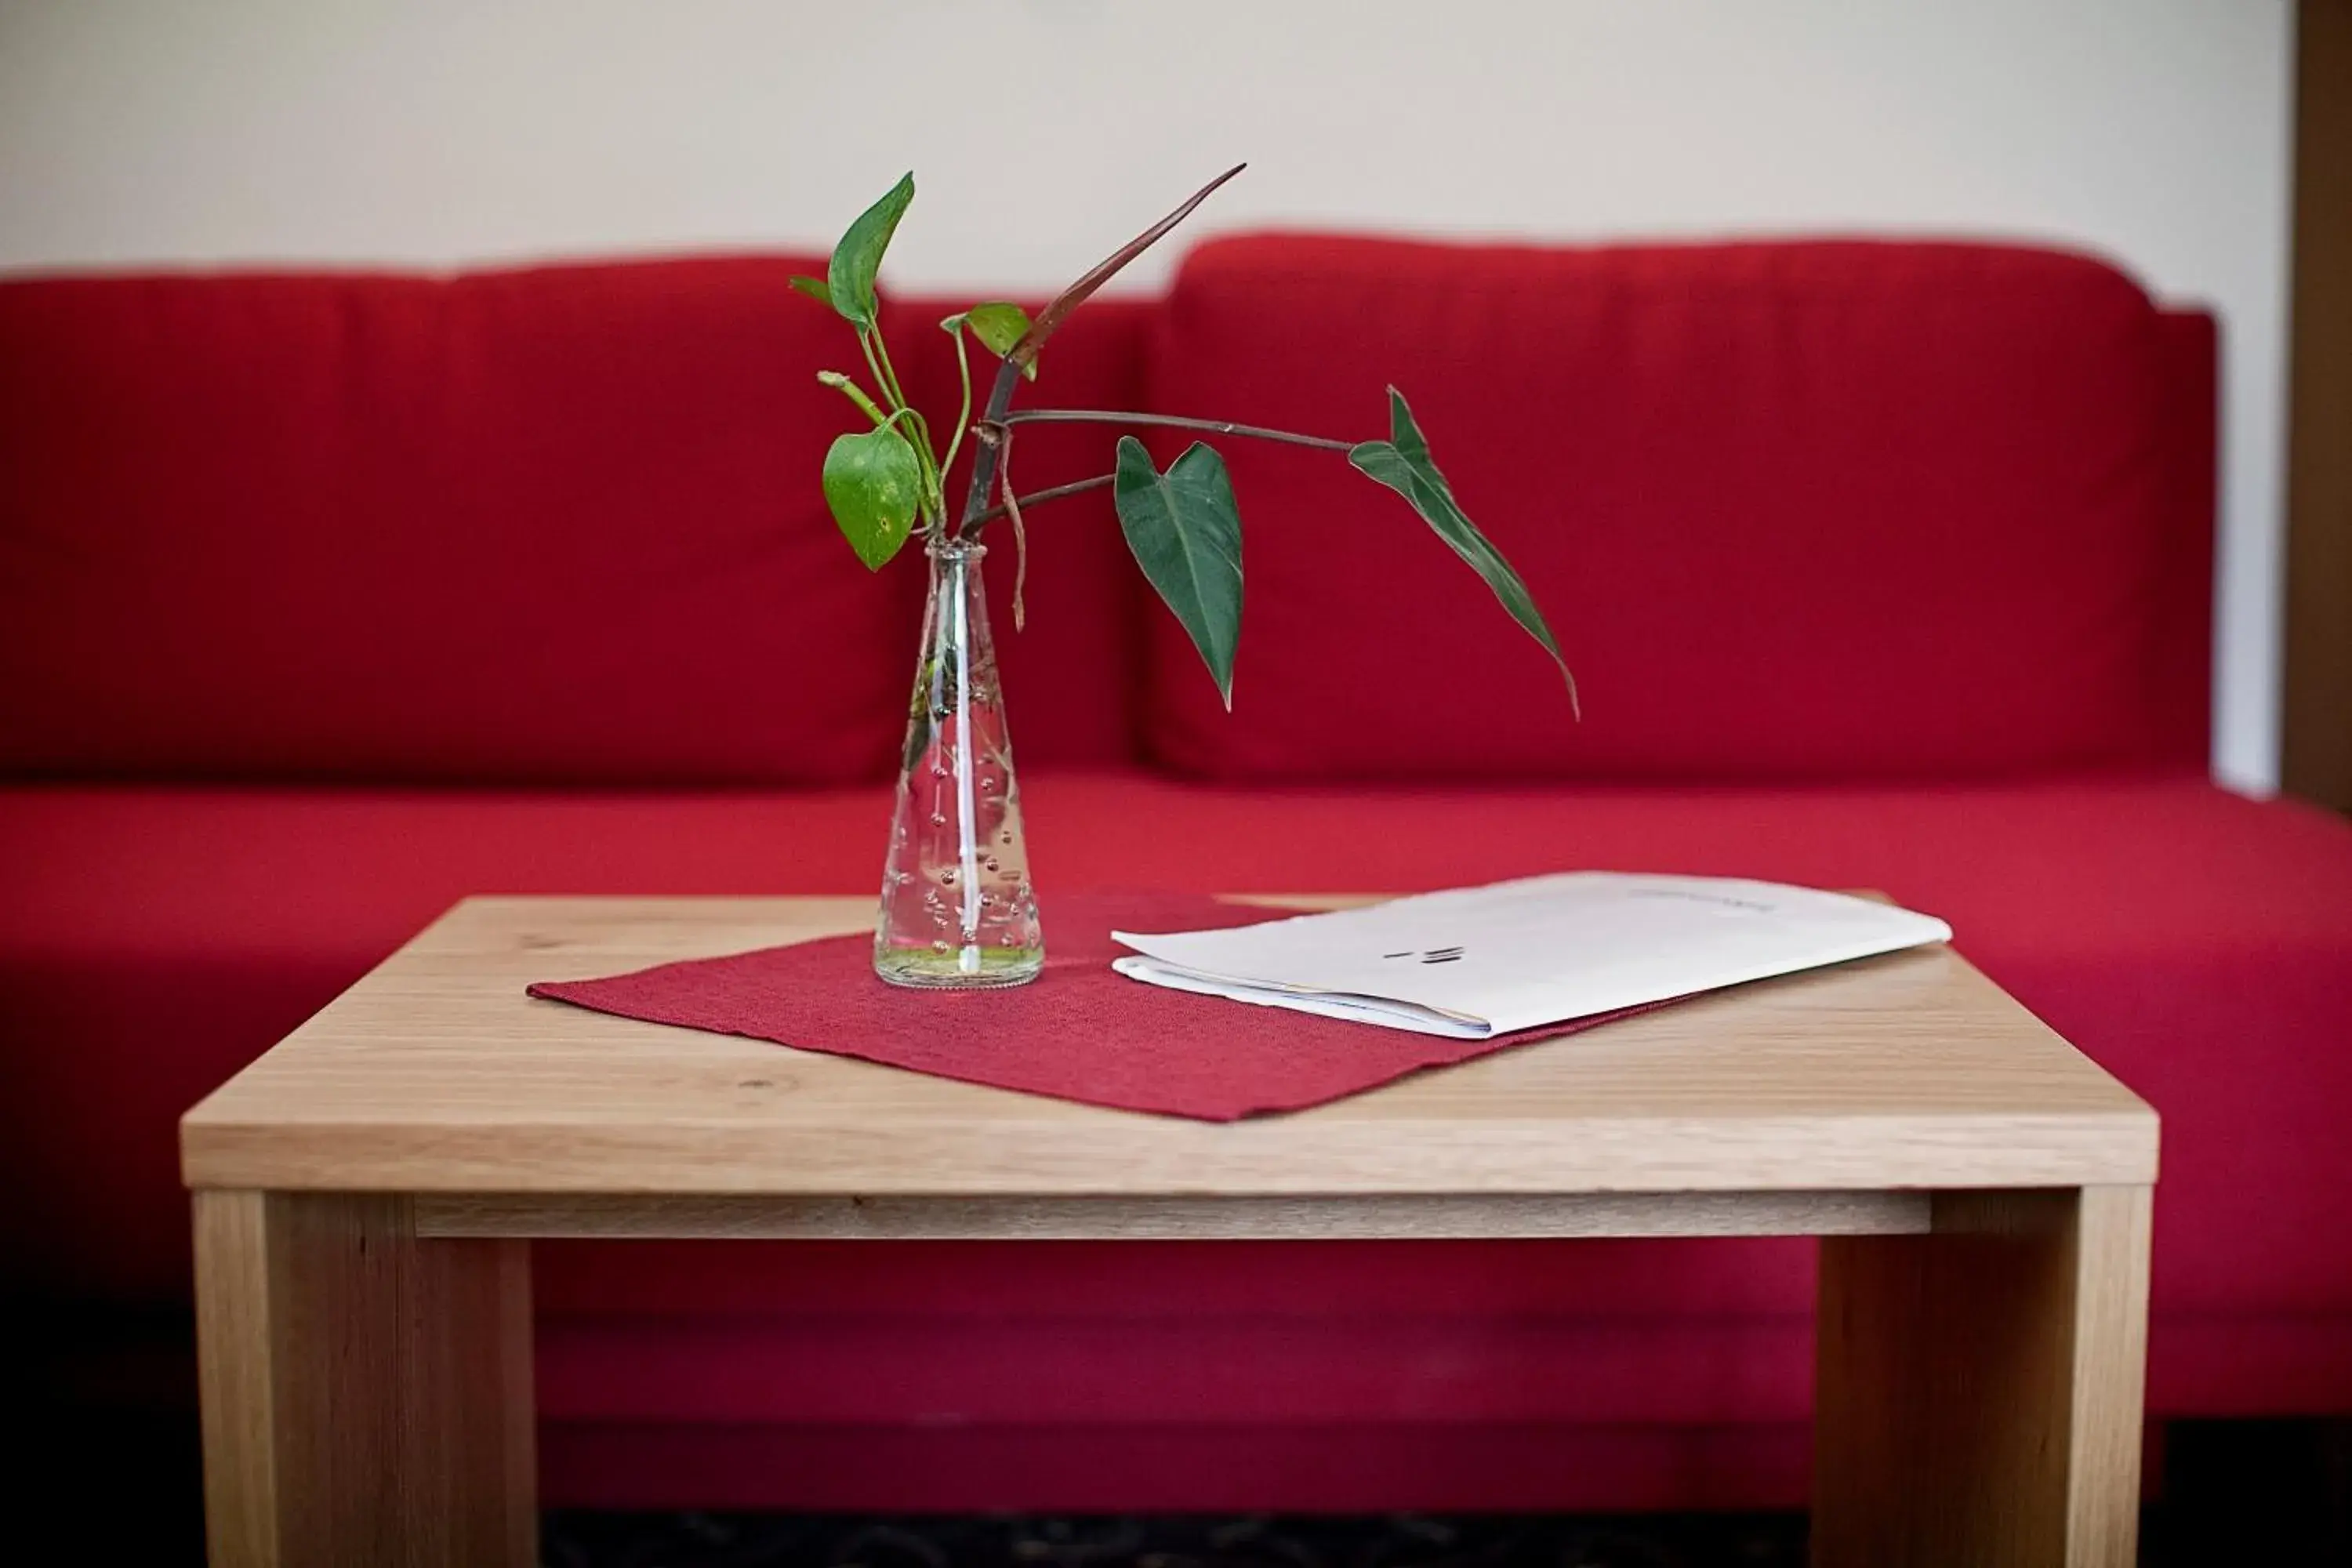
[1078,1032]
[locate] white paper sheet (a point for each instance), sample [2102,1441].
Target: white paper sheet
[1474,962]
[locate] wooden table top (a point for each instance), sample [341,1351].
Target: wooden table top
[436,1074]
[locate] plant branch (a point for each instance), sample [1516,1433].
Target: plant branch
[1020,531]
[964,374]
[1024,352]
[1077,293]
[984,454]
[878,359]
[884,371]
[1174,421]
[935,501]
[855,394]
[874,366]
[1039,498]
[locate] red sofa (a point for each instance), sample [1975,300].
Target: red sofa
[325,600]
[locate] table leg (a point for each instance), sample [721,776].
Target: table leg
[366,1393]
[1977,1388]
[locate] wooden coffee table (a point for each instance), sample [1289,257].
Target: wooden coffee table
[366,1191]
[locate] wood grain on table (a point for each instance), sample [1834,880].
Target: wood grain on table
[436,1073]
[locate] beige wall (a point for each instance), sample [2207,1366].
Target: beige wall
[146,130]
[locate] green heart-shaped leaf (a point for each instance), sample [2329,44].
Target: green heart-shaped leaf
[1186,533]
[813,287]
[871,483]
[999,325]
[1403,463]
[849,277]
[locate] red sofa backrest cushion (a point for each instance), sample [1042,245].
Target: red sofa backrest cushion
[1794,509]
[1797,510]
[560,524]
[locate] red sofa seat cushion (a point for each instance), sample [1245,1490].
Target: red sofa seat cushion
[1796,511]
[2199,944]
[558,525]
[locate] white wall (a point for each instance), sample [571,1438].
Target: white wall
[1046,130]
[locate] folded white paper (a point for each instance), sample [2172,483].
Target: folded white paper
[1477,961]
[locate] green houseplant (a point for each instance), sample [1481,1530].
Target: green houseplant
[958,909]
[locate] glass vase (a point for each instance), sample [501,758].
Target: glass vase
[957,912]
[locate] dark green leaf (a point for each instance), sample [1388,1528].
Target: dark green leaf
[849,278]
[1403,464]
[813,287]
[999,325]
[1186,535]
[871,482]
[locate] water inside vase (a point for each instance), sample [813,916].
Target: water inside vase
[958,910]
